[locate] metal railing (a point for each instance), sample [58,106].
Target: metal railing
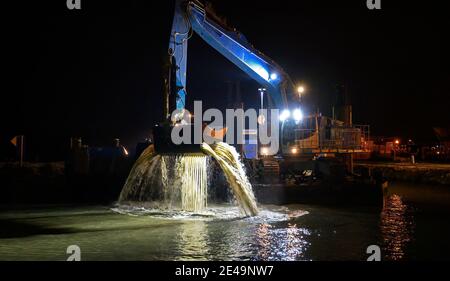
[331,138]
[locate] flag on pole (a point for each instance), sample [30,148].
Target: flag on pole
[14,140]
[17,141]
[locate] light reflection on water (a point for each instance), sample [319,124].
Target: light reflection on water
[206,237]
[192,241]
[263,241]
[292,232]
[397,227]
[287,244]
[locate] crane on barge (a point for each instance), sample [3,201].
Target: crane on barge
[193,16]
[315,135]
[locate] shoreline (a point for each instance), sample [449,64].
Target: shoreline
[427,173]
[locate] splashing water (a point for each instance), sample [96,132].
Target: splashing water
[179,182]
[228,159]
[167,182]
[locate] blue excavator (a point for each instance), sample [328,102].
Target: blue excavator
[316,137]
[193,16]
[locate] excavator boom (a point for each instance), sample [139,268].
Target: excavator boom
[193,16]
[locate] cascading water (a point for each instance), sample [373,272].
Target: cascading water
[228,159]
[167,182]
[180,181]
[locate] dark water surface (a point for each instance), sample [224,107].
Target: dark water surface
[414,225]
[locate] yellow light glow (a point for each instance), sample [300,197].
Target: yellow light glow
[264,151]
[294,150]
[300,89]
[397,141]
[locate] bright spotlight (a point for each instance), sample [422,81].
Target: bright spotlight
[273,76]
[285,114]
[300,89]
[297,114]
[294,150]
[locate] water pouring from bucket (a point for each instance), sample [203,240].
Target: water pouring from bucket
[179,181]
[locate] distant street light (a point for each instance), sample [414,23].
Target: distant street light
[262,91]
[261,118]
[300,91]
[395,148]
[264,151]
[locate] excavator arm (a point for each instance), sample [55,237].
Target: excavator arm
[193,16]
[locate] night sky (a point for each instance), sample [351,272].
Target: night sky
[96,73]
